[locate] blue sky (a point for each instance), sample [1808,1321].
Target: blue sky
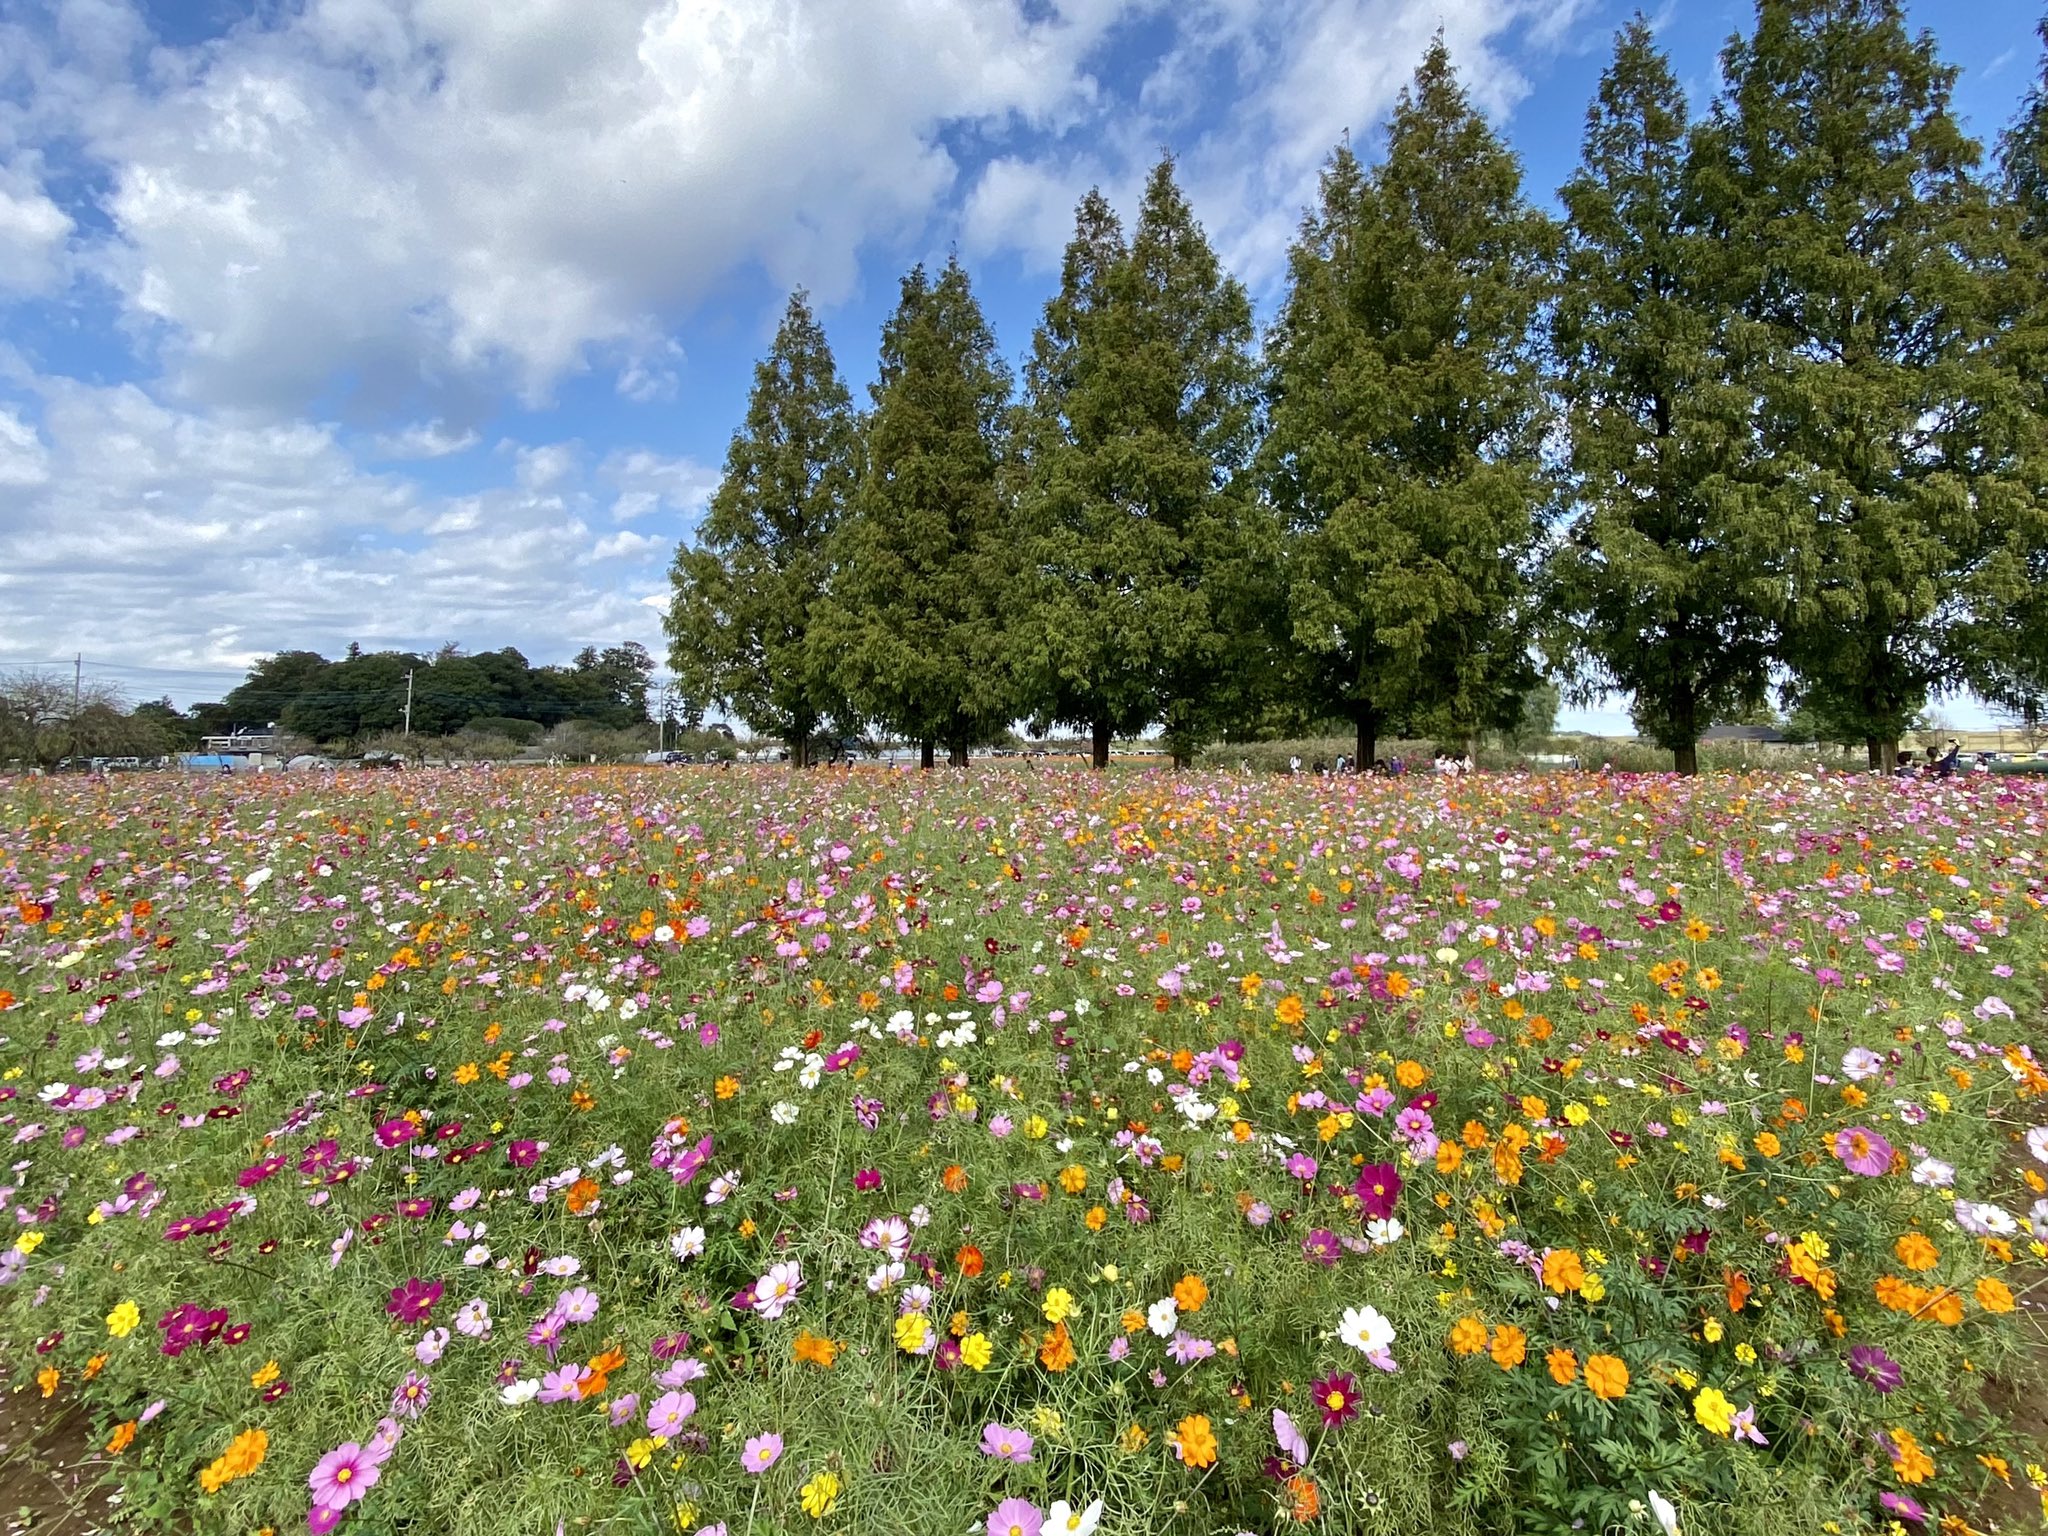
[410,321]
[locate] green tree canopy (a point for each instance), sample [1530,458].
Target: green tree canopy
[747,591]
[1133,437]
[1407,414]
[1861,252]
[924,582]
[2006,645]
[1652,589]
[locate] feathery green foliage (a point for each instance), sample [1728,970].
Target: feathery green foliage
[747,592]
[1406,421]
[1136,428]
[1840,185]
[916,623]
[1650,592]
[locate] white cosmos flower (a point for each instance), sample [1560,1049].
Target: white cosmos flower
[1365,1330]
[1665,1511]
[522,1391]
[783,1112]
[1163,1316]
[687,1244]
[1064,1520]
[774,1291]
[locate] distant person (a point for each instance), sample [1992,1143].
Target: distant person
[1294,764]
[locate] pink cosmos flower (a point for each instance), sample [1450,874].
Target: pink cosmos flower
[1863,1151]
[669,1413]
[762,1452]
[1015,1517]
[412,1396]
[1005,1443]
[562,1384]
[1290,1437]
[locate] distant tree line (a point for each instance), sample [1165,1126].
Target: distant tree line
[491,704]
[364,693]
[1762,413]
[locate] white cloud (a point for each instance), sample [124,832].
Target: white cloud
[34,232]
[648,482]
[1299,77]
[628,545]
[425,440]
[399,187]
[22,459]
[146,535]
[1026,206]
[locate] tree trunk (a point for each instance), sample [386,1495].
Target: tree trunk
[1884,755]
[1100,755]
[1368,741]
[1685,714]
[924,754]
[800,750]
[956,755]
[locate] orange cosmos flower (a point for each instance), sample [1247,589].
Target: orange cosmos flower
[1194,1440]
[1606,1376]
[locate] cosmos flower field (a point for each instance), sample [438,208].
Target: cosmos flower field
[1025,1151]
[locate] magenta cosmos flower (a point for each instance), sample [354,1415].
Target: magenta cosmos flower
[762,1452]
[1378,1187]
[344,1475]
[1863,1151]
[1336,1395]
[412,1300]
[1016,1517]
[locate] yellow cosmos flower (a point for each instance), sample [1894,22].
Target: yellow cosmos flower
[820,1495]
[1714,1412]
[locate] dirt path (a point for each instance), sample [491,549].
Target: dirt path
[48,1469]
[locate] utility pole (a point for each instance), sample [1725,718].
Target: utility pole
[408,701]
[661,722]
[77,691]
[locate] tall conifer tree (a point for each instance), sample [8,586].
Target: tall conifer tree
[746,593]
[1407,414]
[2007,642]
[923,583]
[1652,590]
[1135,429]
[1841,187]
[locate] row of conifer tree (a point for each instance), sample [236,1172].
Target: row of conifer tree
[1762,412]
